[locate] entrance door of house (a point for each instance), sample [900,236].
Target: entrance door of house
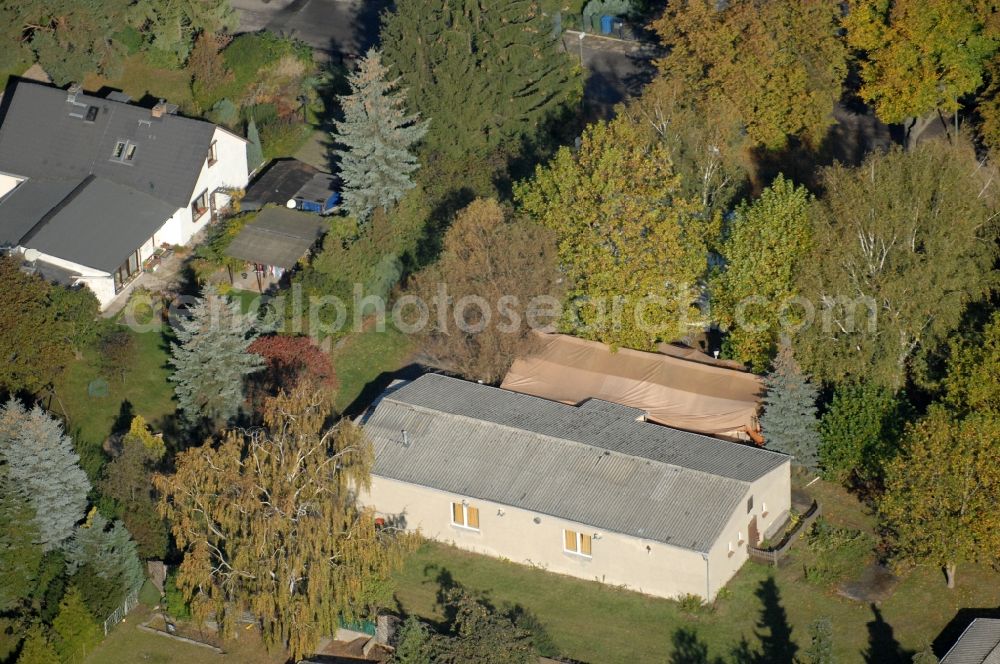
[752,534]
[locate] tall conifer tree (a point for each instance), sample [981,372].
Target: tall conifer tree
[789,420]
[376,134]
[212,358]
[40,463]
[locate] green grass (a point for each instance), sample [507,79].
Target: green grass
[595,623]
[146,388]
[363,362]
[128,643]
[139,78]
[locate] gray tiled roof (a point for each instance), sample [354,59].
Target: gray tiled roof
[43,135]
[979,644]
[594,464]
[98,224]
[27,204]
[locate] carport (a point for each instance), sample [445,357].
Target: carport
[277,240]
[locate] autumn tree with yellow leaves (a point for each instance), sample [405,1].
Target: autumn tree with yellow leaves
[780,65]
[270,525]
[920,57]
[941,493]
[633,248]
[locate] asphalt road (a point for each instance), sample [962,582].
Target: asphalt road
[617,69]
[342,27]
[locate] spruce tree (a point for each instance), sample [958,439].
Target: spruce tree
[255,153]
[104,563]
[212,359]
[40,463]
[789,422]
[376,134]
[76,630]
[488,73]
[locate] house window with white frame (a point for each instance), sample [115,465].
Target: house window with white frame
[578,543]
[465,515]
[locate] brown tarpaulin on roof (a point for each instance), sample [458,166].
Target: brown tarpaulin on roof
[672,391]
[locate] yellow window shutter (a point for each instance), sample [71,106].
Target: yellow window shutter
[585,544]
[456,514]
[473,517]
[570,536]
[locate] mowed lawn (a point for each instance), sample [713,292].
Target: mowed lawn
[127,643]
[364,362]
[139,78]
[591,622]
[146,391]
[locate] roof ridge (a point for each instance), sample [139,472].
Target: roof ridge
[711,440]
[56,209]
[578,443]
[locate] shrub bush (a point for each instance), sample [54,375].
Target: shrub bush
[283,138]
[836,552]
[174,598]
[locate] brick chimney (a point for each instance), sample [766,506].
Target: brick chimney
[160,109]
[73,90]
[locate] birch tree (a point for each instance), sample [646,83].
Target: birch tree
[901,245]
[269,523]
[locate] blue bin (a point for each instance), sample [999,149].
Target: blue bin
[607,24]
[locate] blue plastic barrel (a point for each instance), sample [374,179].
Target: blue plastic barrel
[607,24]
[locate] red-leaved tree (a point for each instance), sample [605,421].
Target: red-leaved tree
[290,361]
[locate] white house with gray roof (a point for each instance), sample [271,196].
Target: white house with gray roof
[91,186]
[592,491]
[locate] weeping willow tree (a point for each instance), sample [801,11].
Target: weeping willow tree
[270,526]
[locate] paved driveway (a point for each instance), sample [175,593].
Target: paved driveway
[339,27]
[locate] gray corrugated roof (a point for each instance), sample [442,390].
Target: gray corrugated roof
[41,138]
[25,206]
[278,236]
[98,224]
[979,644]
[594,464]
[592,427]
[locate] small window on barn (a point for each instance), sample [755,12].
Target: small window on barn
[464,515]
[578,543]
[130,152]
[213,154]
[91,114]
[749,504]
[119,150]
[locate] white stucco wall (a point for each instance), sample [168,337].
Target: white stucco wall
[102,283]
[771,502]
[228,172]
[8,182]
[642,565]
[616,559]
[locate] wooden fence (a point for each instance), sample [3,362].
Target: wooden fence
[772,555]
